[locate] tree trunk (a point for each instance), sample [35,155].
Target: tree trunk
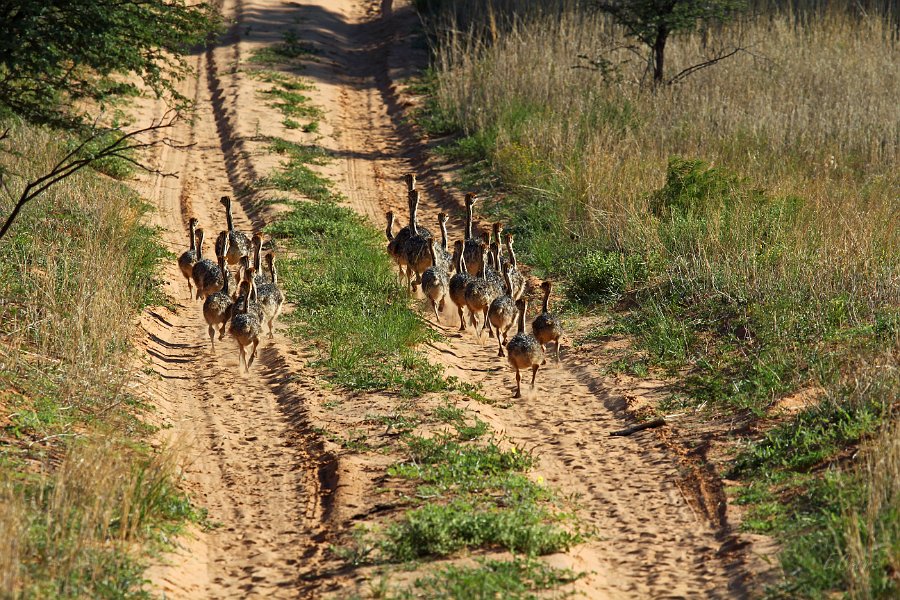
[659,54]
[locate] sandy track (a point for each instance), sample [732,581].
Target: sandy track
[254,461]
[258,466]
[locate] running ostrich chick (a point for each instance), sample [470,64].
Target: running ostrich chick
[524,351]
[547,326]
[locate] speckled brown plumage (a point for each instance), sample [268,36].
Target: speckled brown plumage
[188,258]
[502,313]
[218,307]
[459,282]
[208,278]
[523,350]
[547,326]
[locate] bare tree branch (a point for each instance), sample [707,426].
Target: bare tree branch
[707,63]
[70,163]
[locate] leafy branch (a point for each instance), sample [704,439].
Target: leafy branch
[60,57]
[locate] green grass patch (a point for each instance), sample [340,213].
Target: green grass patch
[477,496]
[803,487]
[516,579]
[145,254]
[470,494]
[815,435]
[438,530]
[292,103]
[456,417]
[295,174]
[349,300]
[286,97]
[434,118]
[598,276]
[284,80]
[445,465]
[285,52]
[398,421]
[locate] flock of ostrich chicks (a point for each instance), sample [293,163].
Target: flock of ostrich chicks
[241,304]
[483,280]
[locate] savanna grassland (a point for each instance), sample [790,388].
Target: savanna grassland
[740,226]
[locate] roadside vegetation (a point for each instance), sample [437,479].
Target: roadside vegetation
[737,226]
[83,498]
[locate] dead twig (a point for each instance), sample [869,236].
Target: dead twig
[707,63]
[640,427]
[54,436]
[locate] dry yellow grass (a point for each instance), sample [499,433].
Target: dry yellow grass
[78,495]
[75,526]
[72,285]
[807,111]
[874,530]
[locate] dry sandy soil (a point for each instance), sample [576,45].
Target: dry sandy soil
[278,492]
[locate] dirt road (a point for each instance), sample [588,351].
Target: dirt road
[277,492]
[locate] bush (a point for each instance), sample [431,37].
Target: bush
[85,44]
[694,188]
[602,275]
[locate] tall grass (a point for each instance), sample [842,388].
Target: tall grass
[783,186]
[836,519]
[776,116]
[77,263]
[872,531]
[71,529]
[79,493]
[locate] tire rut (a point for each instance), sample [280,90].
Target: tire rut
[256,463]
